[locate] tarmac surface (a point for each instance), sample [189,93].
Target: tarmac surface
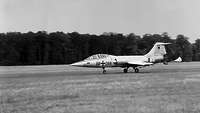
[173,88]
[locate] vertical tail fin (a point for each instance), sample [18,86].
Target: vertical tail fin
[157,50]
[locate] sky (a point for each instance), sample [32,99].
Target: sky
[99,16]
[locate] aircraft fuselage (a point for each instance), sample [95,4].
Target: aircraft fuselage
[116,61]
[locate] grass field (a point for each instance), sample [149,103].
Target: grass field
[173,88]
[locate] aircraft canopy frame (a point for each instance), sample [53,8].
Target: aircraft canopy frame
[97,56]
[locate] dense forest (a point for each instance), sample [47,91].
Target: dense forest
[44,48]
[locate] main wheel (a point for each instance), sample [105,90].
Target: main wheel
[136,70]
[125,70]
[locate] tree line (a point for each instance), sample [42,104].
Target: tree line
[42,48]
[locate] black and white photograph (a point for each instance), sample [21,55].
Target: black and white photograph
[99,56]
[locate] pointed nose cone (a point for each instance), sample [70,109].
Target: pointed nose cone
[78,64]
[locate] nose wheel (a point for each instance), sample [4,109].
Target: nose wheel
[104,70]
[103,67]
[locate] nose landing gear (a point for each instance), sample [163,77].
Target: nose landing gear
[104,70]
[103,67]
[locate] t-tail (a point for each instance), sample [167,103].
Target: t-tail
[157,53]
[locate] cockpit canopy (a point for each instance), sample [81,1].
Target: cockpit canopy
[97,56]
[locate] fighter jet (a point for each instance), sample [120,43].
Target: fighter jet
[155,55]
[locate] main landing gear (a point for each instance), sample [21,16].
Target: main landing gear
[125,70]
[135,69]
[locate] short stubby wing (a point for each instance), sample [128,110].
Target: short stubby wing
[138,63]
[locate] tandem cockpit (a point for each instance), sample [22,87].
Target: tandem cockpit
[97,56]
[97,60]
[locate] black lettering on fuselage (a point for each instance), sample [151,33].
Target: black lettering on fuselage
[104,63]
